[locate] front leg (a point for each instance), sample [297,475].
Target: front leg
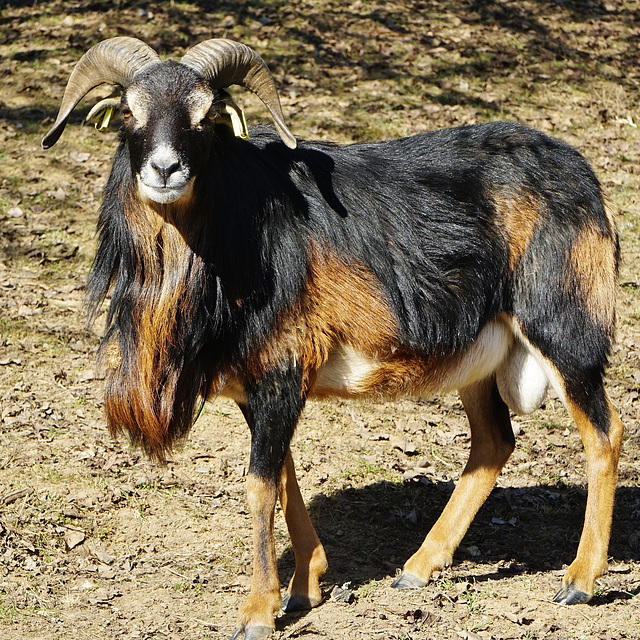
[272,408]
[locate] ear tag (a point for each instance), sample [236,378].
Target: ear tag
[106,118]
[238,121]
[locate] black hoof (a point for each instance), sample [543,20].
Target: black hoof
[571,595]
[252,633]
[408,581]
[296,603]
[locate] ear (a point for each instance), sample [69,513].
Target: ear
[101,113]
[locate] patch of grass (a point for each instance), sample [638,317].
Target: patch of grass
[9,611]
[366,590]
[473,598]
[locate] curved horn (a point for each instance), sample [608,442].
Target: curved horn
[112,61]
[226,62]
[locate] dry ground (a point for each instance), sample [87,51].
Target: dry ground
[96,542]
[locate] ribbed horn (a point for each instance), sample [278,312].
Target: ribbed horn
[225,62]
[112,61]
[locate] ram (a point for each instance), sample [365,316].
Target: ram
[481,258]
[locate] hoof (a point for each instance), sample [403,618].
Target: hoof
[252,633]
[571,595]
[297,603]
[408,581]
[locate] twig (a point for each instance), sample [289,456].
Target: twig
[559,605]
[206,624]
[175,573]
[16,495]
[297,629]
[444,462]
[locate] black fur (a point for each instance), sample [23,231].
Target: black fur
[271,410]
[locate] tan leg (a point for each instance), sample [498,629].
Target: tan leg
[602,452]
[311,561]
[257,613]
[492,443]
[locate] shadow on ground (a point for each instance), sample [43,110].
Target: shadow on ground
[369,533]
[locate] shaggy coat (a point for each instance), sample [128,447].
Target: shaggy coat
[402,251]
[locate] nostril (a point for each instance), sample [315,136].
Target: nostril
[165,169]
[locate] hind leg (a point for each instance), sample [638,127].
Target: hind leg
[601,432]
[492,443]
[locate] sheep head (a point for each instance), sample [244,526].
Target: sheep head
[167,107]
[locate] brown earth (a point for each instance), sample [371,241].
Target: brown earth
[97,542]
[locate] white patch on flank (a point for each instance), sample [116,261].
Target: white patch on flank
[482,358]
[345,371]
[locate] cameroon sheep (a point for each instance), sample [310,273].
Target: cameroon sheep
[480,258]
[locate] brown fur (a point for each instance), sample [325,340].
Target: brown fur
[517,218]
[341,304]
[264,600]
[142,378]
[593,260]
[602,452]
[311,561]
[491,446]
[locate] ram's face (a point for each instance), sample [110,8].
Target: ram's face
[169,107]
[167,116]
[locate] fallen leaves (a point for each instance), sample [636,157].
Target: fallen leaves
[79,156]
[73,538]
[403,444]
[521,617]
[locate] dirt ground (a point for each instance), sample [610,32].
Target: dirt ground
[97,542]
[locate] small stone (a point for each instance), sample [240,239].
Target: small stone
[343,594]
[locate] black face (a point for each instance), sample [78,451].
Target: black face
[167,120]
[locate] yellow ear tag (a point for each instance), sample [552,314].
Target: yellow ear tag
[106,118]
[238,121]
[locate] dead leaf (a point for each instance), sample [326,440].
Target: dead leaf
[79,156]
[103,556]
[15,495]
[398,442]
[418,472]
[73,537]
[620,568]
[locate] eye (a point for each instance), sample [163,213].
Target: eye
[126,113]
[206,122]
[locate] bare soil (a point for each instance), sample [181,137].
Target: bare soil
[97,542]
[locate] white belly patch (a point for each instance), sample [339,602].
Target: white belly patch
[521,381]
[350,372]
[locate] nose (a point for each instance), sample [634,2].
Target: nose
[165,167]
